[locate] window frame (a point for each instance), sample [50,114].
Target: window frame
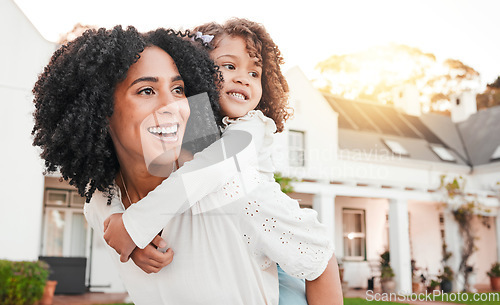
[361,235]
[296,148]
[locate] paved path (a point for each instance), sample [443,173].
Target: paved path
[90,298]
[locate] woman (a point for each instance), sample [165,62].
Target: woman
[92,99]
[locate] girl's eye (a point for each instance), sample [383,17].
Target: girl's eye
[146,91]
[229,66]
[254,74]
[179,90]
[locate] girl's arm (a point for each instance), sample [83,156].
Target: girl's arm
[326,289]
[278,230]
[209,170]
[149,259]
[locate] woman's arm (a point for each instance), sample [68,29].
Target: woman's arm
[326,289]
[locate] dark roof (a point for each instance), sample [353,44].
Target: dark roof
[481,135]
[365,126]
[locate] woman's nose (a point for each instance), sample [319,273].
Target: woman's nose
[169,104]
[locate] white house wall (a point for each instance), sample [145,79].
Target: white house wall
[425,237]
[316,118]
[486,253]
[22,56]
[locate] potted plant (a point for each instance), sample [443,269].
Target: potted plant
[416,282]
[446,276]
[48,293]
[386,274]
[446,279]
[432,286]
[494,275]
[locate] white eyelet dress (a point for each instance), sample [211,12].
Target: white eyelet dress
[227,253]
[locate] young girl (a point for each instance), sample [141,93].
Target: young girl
[253,99]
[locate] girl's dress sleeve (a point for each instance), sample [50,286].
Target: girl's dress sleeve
[207,172]
[97,210]
[278,230]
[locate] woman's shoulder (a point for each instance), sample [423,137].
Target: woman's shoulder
[254,116]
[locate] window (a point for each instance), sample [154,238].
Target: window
[443,153]
[396,148]
[65,231]
[296,148]
[354,234]
[496,154]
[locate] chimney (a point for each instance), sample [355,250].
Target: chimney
[406,99]
[463,106]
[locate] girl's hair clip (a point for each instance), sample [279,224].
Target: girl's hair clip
[205,38]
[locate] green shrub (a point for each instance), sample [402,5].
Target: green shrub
[22,283]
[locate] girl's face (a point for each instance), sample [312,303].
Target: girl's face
[242,87]
[150,111]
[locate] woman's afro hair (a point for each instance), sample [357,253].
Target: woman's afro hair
[73,99]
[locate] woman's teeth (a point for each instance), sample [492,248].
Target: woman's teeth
[237,95]
[172,130]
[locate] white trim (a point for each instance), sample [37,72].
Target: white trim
[493,167]
[367,192]
[347,155]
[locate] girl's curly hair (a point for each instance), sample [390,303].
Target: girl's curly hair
[73,99]
[274,102]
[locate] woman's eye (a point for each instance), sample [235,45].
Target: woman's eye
[229,66]
[254,74]
[146,91]
[179,90]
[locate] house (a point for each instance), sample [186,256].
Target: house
[370,171]
[373,172]
[40,216]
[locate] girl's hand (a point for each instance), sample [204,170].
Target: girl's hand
[151,260]
[117,237]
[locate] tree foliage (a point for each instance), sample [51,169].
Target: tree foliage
[490,97]
[377,73]
[77,30]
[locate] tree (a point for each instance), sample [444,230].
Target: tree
[490,97]
[375,73]
[77,30]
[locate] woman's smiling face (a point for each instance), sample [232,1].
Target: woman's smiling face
[150,111]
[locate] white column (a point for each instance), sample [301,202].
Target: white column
[399,240]
[453,243]
[324,204]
